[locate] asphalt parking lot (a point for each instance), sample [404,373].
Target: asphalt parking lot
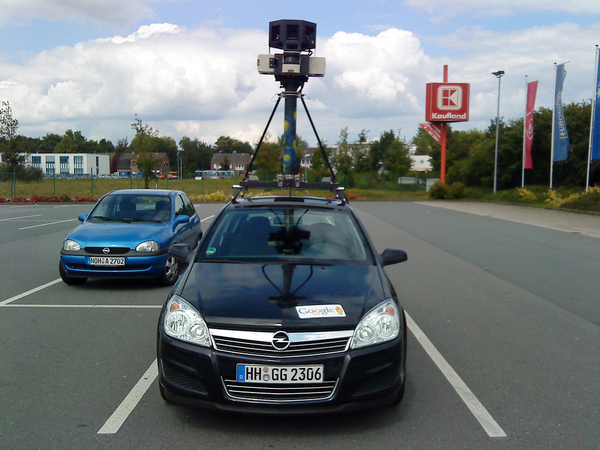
[503,343]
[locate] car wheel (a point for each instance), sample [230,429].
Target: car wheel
[170,272]
[71,281]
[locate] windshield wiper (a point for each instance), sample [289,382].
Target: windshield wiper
[104,218]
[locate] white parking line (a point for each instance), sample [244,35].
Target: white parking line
[29,292]
[207,218]
[22,217]
[49,223]
[477,409]
[114,422]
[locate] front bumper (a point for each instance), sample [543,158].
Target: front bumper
[353,379]
[78,266]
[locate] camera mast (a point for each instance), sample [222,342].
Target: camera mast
[292,68]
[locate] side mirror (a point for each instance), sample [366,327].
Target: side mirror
[82,217]
[393,256]
[182,219]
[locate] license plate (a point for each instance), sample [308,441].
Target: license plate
[107,260]
[253,373]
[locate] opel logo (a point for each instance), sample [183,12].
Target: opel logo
[106,250]
[280,340]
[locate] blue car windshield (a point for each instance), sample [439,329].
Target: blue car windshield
[132,208]
[292,234]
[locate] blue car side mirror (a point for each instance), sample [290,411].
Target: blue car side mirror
[182,219]
[82,217]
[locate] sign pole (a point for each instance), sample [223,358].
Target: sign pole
[445,102]
[444,135]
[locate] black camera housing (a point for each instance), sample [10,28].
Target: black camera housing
[293,35]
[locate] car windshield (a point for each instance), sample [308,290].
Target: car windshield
[132,208]
[291,234]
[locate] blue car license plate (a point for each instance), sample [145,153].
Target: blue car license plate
[107,260]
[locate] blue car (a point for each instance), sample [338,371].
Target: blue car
[128,234]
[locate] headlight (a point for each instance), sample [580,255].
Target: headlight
[183,322]
[71,246]
[379,325]
[148,246]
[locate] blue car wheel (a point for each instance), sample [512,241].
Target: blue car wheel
[170,272]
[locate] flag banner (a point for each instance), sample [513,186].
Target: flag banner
[434,131]
[595,144]
[561,135]
[531,93]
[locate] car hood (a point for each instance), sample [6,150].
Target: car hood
[116,234]
[255,295]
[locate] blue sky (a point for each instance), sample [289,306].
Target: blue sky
[188,67]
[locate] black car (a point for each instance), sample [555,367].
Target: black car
[284,308]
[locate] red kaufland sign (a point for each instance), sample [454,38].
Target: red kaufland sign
[447,102]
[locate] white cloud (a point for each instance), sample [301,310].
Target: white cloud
[113,12]
[442,8]
[202,82]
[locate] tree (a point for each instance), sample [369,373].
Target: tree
[196,155]
[49,143]
[66,145]
[390,154]
[268,160]
[226,144]
[8,124]
[122,146]
[143,143]
[343,160]
[12,148]
[225,164]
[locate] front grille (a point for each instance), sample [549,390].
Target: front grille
[182,379]
[302,344]
[280,393]
[113,250]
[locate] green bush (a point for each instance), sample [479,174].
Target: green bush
[586,201]
[456,190]
[438,191]
[441,191]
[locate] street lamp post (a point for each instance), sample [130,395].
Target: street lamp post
[499,76]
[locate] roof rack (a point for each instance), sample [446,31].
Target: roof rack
[291,182]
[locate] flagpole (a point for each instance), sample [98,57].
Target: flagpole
[552,141]
[589,162]
[524,134]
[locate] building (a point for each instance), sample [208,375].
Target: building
[237,161]
[70,163]
[125,164]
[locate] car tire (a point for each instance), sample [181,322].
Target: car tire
[170,272]
[71,281]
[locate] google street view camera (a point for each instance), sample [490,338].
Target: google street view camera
[292,68]
[297,39]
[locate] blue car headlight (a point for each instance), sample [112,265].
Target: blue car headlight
[381,324]
[71,246]
[183,322]
[148,246]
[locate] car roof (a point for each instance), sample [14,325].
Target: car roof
[160,192]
